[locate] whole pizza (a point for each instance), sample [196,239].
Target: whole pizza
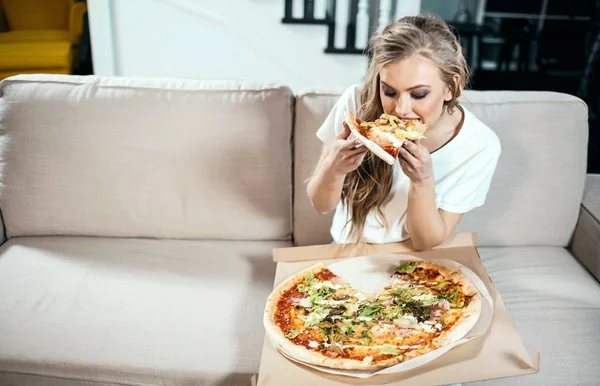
[316,317]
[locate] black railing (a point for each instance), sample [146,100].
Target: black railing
[308,14]
[373,14]
[351,28]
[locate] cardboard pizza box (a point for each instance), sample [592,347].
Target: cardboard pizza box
[498,353]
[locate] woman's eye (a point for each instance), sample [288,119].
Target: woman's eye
[389,93]
[420,96]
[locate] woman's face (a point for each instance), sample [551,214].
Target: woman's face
[413,89]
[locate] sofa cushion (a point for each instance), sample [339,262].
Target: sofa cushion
[555,306]
[132,310]
[165,158]
[537,188]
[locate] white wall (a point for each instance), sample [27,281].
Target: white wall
[214,39]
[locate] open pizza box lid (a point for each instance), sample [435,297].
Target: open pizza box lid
[496,354]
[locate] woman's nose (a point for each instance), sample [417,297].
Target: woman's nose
[403,107]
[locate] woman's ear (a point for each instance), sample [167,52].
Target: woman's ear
[452,89]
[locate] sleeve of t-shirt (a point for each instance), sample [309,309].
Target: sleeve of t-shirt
[471,189]
[334,122]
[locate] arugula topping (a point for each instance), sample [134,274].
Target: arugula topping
[441,285]
[336,311]
[450,297]
[370,310]
[320,294]
[403,295]
[292,334]
[366,339]
[406,267]
[315,317]
[418,310]
[389,350]
[346,329]
[302,288]
[391,313]
[306,303]
[311,279]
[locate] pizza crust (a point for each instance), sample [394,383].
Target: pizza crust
[375,148]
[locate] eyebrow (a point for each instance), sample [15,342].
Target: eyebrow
[410,88]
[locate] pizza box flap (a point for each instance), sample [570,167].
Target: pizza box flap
[330,251]
[498,353]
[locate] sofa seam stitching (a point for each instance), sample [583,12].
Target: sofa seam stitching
[270,88]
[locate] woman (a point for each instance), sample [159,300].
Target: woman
[417,71]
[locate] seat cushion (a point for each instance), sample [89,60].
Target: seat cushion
[132,310]
[27,55]
[555,305]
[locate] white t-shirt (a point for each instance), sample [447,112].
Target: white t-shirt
[463,171]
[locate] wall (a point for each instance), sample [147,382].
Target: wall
[209,39]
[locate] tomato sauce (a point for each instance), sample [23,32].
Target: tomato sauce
[325,275]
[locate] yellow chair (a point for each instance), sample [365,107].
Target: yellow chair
[39,36]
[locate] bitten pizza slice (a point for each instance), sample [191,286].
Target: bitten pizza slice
[385,136]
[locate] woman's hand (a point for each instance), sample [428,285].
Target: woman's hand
[416,163]
[324,188]
[345,155]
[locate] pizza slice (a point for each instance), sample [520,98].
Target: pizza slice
[386,135]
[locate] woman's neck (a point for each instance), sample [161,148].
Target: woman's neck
[444,129]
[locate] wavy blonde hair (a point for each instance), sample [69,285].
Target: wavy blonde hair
[366,188]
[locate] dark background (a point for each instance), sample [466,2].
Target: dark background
[521,46]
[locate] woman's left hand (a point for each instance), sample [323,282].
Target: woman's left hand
[415,161]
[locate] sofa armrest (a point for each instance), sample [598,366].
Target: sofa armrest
[585,245]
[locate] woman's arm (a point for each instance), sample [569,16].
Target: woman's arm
[325,186]
[427,225]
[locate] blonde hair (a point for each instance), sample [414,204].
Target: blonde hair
[366,188]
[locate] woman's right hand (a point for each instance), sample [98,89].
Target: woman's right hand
[345,155]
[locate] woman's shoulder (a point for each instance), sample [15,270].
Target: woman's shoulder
[347,101]
[480,135]
[351,96]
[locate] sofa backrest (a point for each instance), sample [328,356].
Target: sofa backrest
[538,185]
[165,158]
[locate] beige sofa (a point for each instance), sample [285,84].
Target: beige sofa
[141,214]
